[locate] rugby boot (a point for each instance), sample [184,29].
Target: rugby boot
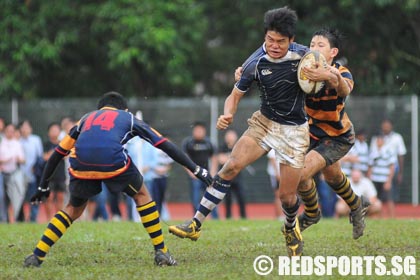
[357,217]
[188,229]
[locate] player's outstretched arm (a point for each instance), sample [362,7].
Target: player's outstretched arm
[43,189]
[180,157]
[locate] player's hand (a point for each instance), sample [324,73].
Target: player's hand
[316,73]
[41,195]
[202,174]
[224,121]
[238,73]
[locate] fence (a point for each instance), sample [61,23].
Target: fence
[173,117]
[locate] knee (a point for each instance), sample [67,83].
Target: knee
[335,180]
[304,184]
[231,169]
[288,199]
[74,212]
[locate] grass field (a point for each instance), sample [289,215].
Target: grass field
[226,249]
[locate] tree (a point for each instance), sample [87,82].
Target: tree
[67,48]
[178,48]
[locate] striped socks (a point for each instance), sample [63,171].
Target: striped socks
[212,197]
[310,200]
[151,222]
[345,191]
[290,213]
[55,229]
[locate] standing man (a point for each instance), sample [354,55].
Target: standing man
[279,124]
[237,184]
[382,160]
[33,150]
[97,155]
[200,149]
[395,142]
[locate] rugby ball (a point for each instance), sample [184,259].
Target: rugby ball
[309,60]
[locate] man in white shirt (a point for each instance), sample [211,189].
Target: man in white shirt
[395,142]
[361,186]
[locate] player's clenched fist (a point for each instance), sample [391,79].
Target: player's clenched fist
[224,121]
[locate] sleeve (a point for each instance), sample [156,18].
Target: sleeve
[298,48]
[39,147]
[249,70]
[347,76]
[146,132]
[21,153]
[401,149]
[68,141]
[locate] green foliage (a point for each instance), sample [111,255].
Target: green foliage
[67,48]
[225,250]
[161,48]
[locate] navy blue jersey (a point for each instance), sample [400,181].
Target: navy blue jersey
[97,143]
[282,100]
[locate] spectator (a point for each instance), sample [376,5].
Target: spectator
[33,150]
[57,184]
[358,156]
[160,182]
[66,124]
[199,148]
[361,186]
[395,142]
[2,126]
[3,211]
[11,156]
[237,185]
[381,171]
[273,170]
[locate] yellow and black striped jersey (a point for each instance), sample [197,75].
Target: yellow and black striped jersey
[325,110]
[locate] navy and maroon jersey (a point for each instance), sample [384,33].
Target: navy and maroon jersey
[326,110]
[282,100]
[97,143]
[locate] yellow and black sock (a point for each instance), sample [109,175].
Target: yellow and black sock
[151,222]
[345,191]
[55,229]
[310,200]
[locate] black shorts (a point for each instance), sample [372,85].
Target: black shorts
[57,186]
[130,182]
[333,149]
[383,195]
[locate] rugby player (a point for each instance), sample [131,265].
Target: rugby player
[97,154]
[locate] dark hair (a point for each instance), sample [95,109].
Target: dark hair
[24,121]
[112,99]
[361,131]
[199,123]
[282,20]
[334,36]
[53,124]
